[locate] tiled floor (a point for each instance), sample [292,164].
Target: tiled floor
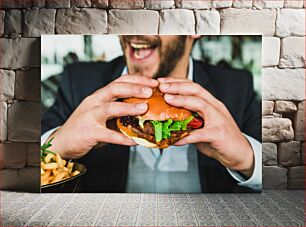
[270,208]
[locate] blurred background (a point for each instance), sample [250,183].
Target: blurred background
[242,52]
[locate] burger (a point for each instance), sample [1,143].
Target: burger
[161,126]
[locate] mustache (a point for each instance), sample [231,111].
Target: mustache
[153,40]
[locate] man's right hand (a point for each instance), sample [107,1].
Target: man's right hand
[86,127]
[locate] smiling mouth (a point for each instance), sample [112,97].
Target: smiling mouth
[140,51]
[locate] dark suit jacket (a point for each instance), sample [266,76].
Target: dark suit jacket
[107,167]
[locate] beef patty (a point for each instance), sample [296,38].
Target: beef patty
[148,132]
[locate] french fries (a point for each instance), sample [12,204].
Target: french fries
[54,169]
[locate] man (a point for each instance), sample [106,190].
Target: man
[223,156]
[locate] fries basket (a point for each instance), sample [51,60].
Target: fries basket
[66,185]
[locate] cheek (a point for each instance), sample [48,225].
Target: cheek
[159,57]
[165,55]
[161,53]
[126,51]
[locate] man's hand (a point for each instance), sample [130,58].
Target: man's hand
[86,127]
[220,138]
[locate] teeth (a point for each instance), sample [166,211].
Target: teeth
[139,55]
[140,46]
[142,53]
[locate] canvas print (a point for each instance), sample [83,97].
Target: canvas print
[151,113]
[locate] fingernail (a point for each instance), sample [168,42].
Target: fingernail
[141,106]
[161,79]
[146,91]
[169,97]
[164,86]
[156,83]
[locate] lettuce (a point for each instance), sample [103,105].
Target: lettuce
[163,129]
[158,130]
[186,122]
[166,132]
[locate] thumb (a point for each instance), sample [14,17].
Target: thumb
[110,136]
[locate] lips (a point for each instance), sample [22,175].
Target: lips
[141,50]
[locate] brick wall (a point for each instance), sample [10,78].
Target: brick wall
[282,22]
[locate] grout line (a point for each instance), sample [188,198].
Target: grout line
[137,210]
[195,21]
[139,207]
[173,201]
[100,211]
[61,210]
[157,213]
[156,209]
[230,211]
[195,217]
[216,219]
[247,209]
[282,209]
[159,21]
[81,210]
[119,212]
[270,215]
[105,201]
[107,20]
[55,16]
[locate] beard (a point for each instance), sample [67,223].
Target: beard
[169,53]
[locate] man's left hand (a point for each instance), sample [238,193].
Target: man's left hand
[220,138]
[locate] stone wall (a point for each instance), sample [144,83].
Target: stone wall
[282,22]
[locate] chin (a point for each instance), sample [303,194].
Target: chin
[144,70]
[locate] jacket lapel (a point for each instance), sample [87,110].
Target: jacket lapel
[119,67]
[200,75]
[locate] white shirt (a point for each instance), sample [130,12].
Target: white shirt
[174,159]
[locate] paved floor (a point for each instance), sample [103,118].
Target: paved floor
[270,208]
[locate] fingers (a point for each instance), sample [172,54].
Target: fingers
[206,149]
[172,79]
[196,136]
[193,103]
[117,90]
[119,109]
[187,88]
[136,79]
